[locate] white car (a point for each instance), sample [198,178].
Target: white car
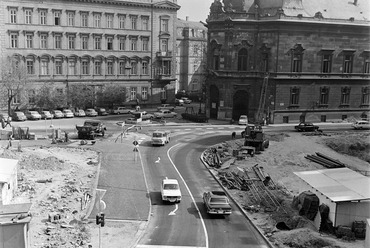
[170,190]
[165,114]
[243,120]
[68,113]
[179,102]
[131,121]
[361,125]
[91,112]
[121,110]
[186,100]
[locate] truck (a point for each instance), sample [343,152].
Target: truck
[216,202]
[160,138]
[255,137]
[90,129]
[170,190]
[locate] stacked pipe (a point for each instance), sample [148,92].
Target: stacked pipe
[326,161]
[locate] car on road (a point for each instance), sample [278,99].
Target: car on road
[91,112]
[170,190]
[32,115]
[57,114]
[306,127]
[165,114]
[80,113]
[121,110]
[160,137]
[186,100]
[46,114]
[179,102]
[68,113]
[143,114]
[90,129]
[166,106]
[361,125]
[243,120]
[131,120]
[102,111]
[19,116]
[216,202]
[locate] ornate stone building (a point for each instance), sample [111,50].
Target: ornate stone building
[296,60]
[93,42]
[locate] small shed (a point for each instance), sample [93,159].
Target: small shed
[8,179]
[14,225]
[344,191]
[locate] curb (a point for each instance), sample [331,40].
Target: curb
[236,203]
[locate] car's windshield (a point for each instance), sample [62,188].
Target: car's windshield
[157,135]
[91,123]
[171,186]
[219,200]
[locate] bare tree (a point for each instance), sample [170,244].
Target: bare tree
[13,80]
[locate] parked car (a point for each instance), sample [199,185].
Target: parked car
[306,127]
[131,120]
[46,114]
[91,112]
[101,111]
[19,116]
[68,113]
[361,125]
[179,102]
[90,129]
[32,115]
[243,120]
[164,114]
[166,106]
[216,202]
[186,100]
[57,114]
[80,113]
[121,110]
[170,190]
[144,115]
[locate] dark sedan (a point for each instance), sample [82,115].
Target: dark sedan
[306,127]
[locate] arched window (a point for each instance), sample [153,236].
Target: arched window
[242,59]
[216,59]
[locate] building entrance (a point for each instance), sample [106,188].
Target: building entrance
[240,104]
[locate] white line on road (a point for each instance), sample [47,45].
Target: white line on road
[173,212]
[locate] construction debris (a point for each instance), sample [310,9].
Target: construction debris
[326,161]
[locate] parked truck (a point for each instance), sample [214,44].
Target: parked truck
[90,129]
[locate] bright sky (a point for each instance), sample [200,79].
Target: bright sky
[197,10]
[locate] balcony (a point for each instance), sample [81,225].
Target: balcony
[165,54]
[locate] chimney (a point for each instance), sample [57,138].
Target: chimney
[187,18]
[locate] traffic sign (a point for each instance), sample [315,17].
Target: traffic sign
[135,143]
[135,149]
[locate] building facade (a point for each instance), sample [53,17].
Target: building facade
[65,43]
[289,61]
[191,56]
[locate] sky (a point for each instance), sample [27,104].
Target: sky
[197,10]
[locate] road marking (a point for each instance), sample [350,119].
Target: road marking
[173,212]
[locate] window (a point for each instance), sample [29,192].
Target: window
[326,62]
[109,43]
[133,22]
[29,40]
[294,96]
[71,19]
[43,19]
[133,43]
[216,59]
[97,65]
[133,91]
[109,21]
[97,43]
[365,99]
[72,67]
[165,68]
[13,15]
[164,25]
[163,93]
[44,67]
[324,96]
[145,22]
[58,67]
[122,67]
[97,20]
[145,44]
[110,70]
[14,40]
[347,63]
[71,42]
[296,58]
[144,66]
[85,42]
[242,59]
[265,62]
[43,41]
[122,41]
[58,41]
[28,16]
[85,67]
[344,99]
[367,65]
[133,68]
[121,20]
[144,93]
[84,19]
[164,45]
[57,15]
[30,67]
[31,96]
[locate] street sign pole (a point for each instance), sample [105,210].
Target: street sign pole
[100,205]
[136,150]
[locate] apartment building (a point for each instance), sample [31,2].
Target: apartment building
[65,43]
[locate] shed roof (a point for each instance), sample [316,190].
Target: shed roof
[339,185]
[7,169]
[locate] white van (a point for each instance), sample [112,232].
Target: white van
[160,138]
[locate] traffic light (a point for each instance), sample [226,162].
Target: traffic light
[100,219]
